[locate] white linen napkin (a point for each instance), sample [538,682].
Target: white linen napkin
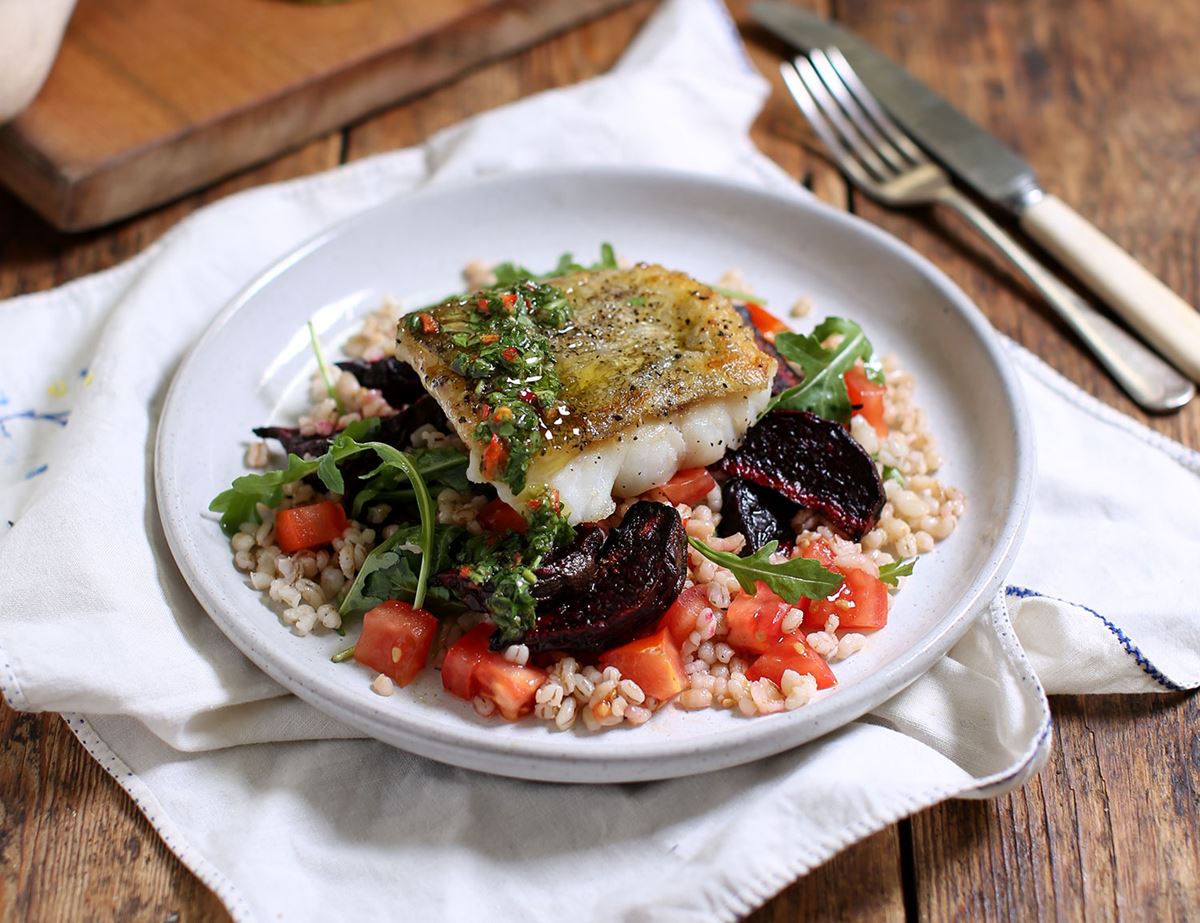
[286,816]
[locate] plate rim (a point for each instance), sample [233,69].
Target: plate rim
[522,759]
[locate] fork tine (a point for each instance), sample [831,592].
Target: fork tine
[866,98]
[855,112]
[845,159]
[849,133]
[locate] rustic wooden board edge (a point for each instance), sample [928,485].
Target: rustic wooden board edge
[86,196]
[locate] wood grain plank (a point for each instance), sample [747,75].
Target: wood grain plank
[1105,832]
[873,865]
[1097,98]
[152,98]
[1057,82]
[72,845]
[35,256]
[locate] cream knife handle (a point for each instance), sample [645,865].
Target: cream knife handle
[1168,322]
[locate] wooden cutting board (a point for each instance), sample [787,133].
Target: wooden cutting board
[150,99]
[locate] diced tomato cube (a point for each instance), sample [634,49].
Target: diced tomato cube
[396,640]
[792,654]
[509,299]
[458,669]
[510,686]
[498,516]
[654,663]
[472,668]
[680,619]
[756,622]
[689,486]
[311,526]
[860,603]
[818,549]
[867,398]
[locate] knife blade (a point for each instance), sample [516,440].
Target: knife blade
[995,171]
[1001,175]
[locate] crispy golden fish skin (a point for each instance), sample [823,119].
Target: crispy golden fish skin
[644,345]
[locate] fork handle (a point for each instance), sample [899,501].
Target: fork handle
[1167,321]
[1150,381]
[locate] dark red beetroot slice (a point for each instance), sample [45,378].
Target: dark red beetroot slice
[814,462]
[395,380]
[395,430]
[293,441]
[570,570]
[759,513]
[785,376]
[639,572]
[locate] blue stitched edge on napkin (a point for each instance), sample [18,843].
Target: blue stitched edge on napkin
[1130,648]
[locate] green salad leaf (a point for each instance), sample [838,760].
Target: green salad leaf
[789,579]
[391,460]
[238,504]
[822,391]
[323,368]
[391,571]
[509,274]
[891,473]
[441,467]
[891,573]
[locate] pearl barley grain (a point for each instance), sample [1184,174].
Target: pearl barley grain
[382,685]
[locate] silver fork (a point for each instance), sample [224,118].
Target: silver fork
[880,159]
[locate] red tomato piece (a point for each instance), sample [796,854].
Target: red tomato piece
[861,604]
[756,622]
[689,486]
[498,516]
[792,654]
[654,663]
[509,299]
[818,549]
[458,669]
[680,619]
[765,322]
[472,668]
[510,686]
[867,397]
[309,526]
[396,640]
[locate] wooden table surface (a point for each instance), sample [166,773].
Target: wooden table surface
[1104,98]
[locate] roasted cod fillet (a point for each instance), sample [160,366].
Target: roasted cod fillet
[656,373]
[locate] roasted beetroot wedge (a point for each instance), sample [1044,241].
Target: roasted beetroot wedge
[814,462]
[640,570]
[293,441]
[395,380]
[759,513]
[571,571]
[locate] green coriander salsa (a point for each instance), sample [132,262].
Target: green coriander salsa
[499,343]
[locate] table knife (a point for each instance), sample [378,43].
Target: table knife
[1001,176]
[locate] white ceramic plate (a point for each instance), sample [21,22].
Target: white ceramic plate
[253,364]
